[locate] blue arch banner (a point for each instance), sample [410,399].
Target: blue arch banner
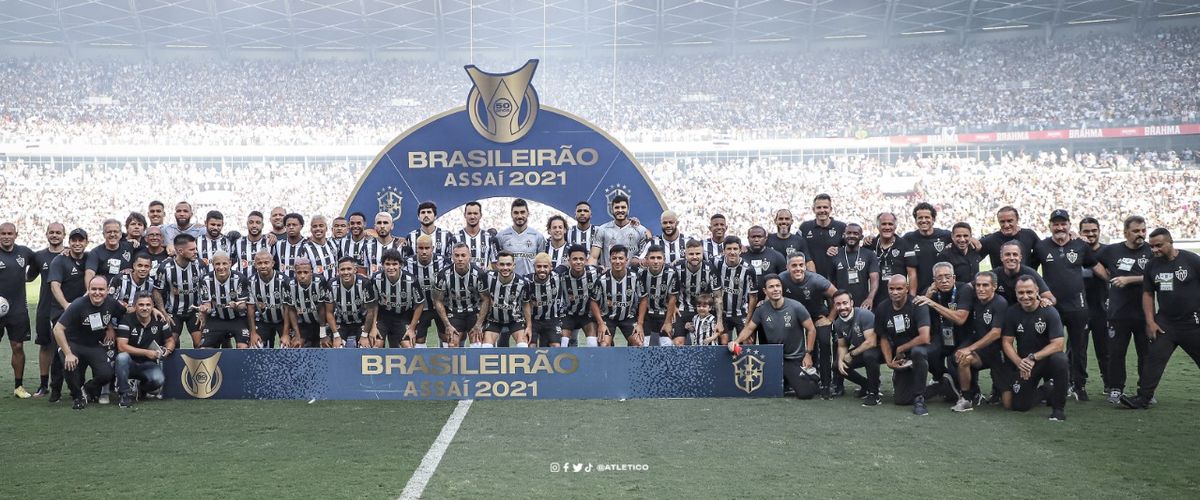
[504,143]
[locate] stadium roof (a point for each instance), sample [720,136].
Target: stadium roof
[504,24]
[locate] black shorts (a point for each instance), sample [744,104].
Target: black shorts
[428,317]
[350,330]
[545,331]
[15,324]
[392,326]
[626,327]
[733,327]
[680,328]
[216,331]
[463,322]
[187,320]
[654,324]
[268,332]
[44,328]
[573,322]
[493,326]
[310,333]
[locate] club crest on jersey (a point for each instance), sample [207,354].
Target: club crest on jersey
[748,372]
[126,255]
[20,261]
[939,245]
[787,320]
[987,317]
[1040,326]
[1181,274]
[1142,261]
[503,106]
[1072,256]
[832,232]
[895,252]
[201,378]
[390,201]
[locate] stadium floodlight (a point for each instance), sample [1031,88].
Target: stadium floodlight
[923,32]
[693,42]
[1093,21]
[1180,14]
[1006,27]
[768,40]
[110,44]
[262,47]
[32,42]
[185,46]
[553,46]
[841,37]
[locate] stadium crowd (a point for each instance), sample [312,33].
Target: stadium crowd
[1095,80]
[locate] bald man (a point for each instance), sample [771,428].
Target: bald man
[671,240]
[16,268]
[87,323]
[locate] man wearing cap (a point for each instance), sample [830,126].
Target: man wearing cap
[66,285]
[784,321]
[1063,260]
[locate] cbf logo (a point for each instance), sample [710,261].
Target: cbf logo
[502,107]
[201,378]
[390,201]
[748,371]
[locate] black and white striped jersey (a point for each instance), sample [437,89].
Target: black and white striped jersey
[575,236]
[427,274]
[460,291]
[348,247]
[125,289]
[618,297]
[508,299]
[558,256]
[658,288]
[205,248]
[482,247]
[693,284]
[672,250]
[398,296]
[220,295]
[286,254]
[245,250]
[309,300]
[323,257]
[268,295]
[546,297]
[703,328]
[442,240]
[579,291]
[350,302]
[738,282]
[179,285]
[372,254]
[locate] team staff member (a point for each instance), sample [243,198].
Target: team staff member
[1123,266]
[658,286]
[17,267]
[87,322]
[456,297]
[1095,289]
[1033,348]
[1010,230]
[66,285]
[823,235]
[505,304]
[980,350]
[857,346]
[949,305]
[400,303]
[964,257]
[763,260]
[55,234]
[113,257]
[895,256]
[856,269]
[222,308]
[783,240]
[1063,261]
[183,224]
[904,341]
[927,242]
[1172,280]
[740,287]
[617,294]
[784,321]
[814,292]
[142,341]
[266,294]
[1012,270]
[354,303]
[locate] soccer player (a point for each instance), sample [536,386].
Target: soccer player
[321,251]
[355,241]
[618,295]
[112,257]
[856,269]
[157,213]
[519,240]
[17,267]
[671,241]
[66,285]
[784,321]
[823,235]
[895,256]
[1012,270]
[949,304]
[222,308]
[401,302]
[857,346]
[42,259]
[763,260]
[1172,282]
[354,303]
[372,255]
[903,329]
[266,292]
[442,239]
[697,277]
[247,247]
[1010,230]
[309,310]
[425,267]
[338,231]
[584,232]
[214,239]
[505,303]
[545,300]
[1033,348]
[479,242]
[183,224]
[142,341]
[579,282]
[981,349]
[740,288]
[177,288]
[619,231]
[456,298]
[964,257]
[556,244]
[1122,266]
[278,224]
[290,247]
[814,292]
[658,287]
[1063,261]
[927,242]
[783,240]
[86,322]
[126,287]
[714,245]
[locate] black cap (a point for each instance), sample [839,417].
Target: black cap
[77,233]
[1059,214]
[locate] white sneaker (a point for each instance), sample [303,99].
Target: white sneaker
[963,405]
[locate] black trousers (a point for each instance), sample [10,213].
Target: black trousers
[793,374]
[1120,332]
[1025,392]
[1075,323]
[1097,325]
[910,382]
[1186,337]
[825,351]
[870,361]
[94,357]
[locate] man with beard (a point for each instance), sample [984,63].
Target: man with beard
[671,241]
[657,285]
[266,291]
[66,285]
[126,287]
[142,341]
[214,239]
[1122,266]
[927,242]
[579,282]
[619,231]
[427,213]
[309,310]
[1172,282]
[556,244]
[949,305]
[177,288]
[858,346]
[980,349]
[584,232]
[42,259]
[354,303]
[964,257]
[425,267]
[1095,289]
[823,235]
[545,301]
[278,224]
[1063,260]
[895,256]
[17,267]
[1033,349]
[1012,269]
[1010,230]
[479,242]
[519,240]
[505,304]
[456,297]
[697,278]
[355,241]
[401,302]
[714,246]
[740,287]
[246,247]
[785,322]
[814,292]
[784,240]
[291,247]
[183,225]
[86,323]
[763,260]
[222,308]
[374,248]
[618,295]
[903,329]
[320,250]
[856,270]
[110,258]
[157,213]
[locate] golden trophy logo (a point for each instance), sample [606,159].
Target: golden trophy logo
[498,101]
[201,377]
[748,372]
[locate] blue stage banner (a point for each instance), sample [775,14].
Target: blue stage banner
[567,373]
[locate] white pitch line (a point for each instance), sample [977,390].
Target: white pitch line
[429,464]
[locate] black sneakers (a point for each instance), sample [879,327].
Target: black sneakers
[125,401]
[1058,416]
[919,408]
[871,399]
[79,404]
[1137,402]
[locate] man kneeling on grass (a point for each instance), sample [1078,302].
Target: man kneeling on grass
[784,321]
[142,342]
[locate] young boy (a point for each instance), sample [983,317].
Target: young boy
[701,330]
